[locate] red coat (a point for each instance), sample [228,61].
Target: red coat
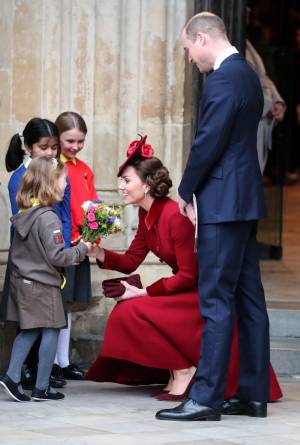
[170,236]
[82,187]
[149,335]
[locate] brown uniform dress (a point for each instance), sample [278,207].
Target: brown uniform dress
[38,255]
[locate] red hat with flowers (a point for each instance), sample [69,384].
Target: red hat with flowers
[137,149]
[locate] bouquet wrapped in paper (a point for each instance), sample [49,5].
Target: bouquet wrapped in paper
[101,220]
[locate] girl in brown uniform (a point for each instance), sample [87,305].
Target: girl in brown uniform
[38,255]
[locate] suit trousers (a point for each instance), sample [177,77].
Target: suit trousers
[229,286]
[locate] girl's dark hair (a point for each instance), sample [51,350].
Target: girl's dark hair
[68,120]
[154,173]
[35,129]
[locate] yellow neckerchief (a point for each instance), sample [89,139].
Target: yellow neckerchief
[64,159]
[34,202]
[64,280]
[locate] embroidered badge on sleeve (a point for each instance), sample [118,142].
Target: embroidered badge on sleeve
[58,239]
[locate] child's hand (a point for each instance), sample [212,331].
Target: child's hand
[76,240]
[96,252]
[87,243]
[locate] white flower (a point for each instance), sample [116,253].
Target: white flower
[86,205]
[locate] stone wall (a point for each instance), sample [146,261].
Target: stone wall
[117,62]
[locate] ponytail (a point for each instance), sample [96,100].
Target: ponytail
[34,130]
[15,153]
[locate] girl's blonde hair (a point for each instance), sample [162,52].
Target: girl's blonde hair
[40,182]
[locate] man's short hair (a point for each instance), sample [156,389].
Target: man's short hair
[205,22]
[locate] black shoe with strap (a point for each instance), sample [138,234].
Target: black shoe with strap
[72,372]
[27,378]
[12,389]
[41,395]
[56,371]
[235,406]
[57,382]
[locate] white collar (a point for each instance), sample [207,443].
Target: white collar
[27,161]
[223,55]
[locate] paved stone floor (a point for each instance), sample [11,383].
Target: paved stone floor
[111,414]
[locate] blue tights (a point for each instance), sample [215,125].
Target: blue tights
[21,347]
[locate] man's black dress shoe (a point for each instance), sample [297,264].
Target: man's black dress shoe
[189,410]
[235,406]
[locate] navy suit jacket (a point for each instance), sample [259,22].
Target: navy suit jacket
[222,169]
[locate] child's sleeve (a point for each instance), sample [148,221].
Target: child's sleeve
[63,210]
[50,232]
[91,185]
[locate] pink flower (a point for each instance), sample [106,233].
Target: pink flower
[91,217]
[93,225]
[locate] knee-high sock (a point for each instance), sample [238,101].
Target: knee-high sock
[46,356]
[21,347]
[63,346]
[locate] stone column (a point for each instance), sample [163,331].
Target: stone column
[120,65]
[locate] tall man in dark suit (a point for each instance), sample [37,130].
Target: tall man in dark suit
[223,173]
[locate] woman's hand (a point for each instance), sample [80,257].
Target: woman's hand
[96,252]
[131,292]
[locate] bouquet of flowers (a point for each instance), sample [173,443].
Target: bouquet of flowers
[101,220]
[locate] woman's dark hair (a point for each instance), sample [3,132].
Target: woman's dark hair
[35,129]
[69,120]
[154,173]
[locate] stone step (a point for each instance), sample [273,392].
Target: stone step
[89,325]
[285,355]
[284,323]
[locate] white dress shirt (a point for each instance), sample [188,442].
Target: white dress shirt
[223,55]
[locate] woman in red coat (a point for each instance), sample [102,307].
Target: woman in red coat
[153,335]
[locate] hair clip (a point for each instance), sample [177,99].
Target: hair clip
[22,142]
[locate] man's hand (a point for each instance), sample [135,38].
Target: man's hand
[131,292]
[182,206]
[190,213]
[278,111]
